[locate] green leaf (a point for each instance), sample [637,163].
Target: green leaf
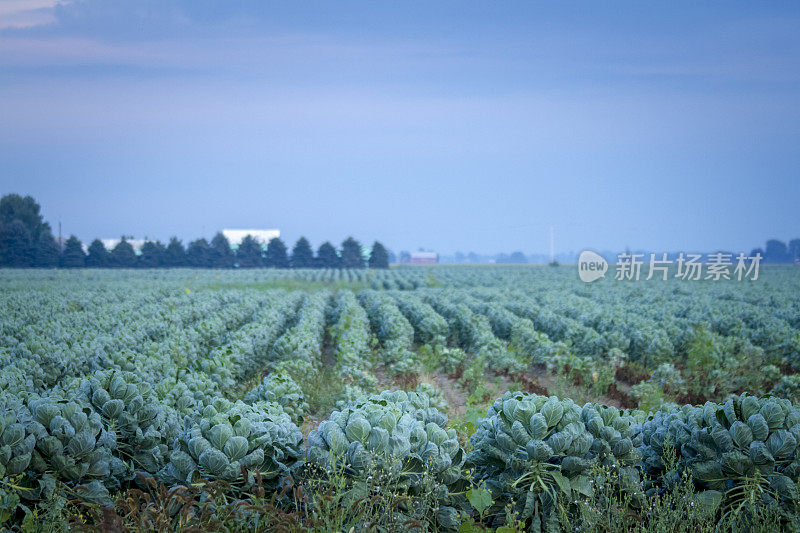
[552,412]
[581,485]
[538,426]
[759,426]
[781,444]
[358,430]
[741,434]
[470,527]
[708,500]
[773,414]
[562,482]
[213,461]
[785,487]
[519,434]
[480,499]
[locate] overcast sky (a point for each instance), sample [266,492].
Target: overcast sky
[445,125]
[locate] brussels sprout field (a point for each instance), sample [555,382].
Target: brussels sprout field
[503,398]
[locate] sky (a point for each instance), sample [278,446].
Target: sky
[471,126]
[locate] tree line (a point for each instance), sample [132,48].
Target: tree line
[26,240]
[777,251]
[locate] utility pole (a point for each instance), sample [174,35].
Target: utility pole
[552,246]
[60,240]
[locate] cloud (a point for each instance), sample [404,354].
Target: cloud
[27,13]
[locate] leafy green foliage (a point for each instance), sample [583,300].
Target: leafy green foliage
[72,448]
[235,442]
[280,389]
[398,437]
[744,449]
[130,409]
[535,452]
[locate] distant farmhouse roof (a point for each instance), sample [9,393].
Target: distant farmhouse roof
[424,258]
[262,236]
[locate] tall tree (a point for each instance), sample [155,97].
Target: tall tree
[123,256]
[794,250]
[198,254]
[378,257]
[302,255]
[15,245]
[517,257]
[98,255]
[46,251]
[26,210]
[152,255]
[351,254]
[249,254]
[276,254]
[73,255]
[776,252]
[221,253]
[327,256]
[174,255]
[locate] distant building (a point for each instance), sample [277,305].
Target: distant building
[110,244]
[262,236]
[424,258]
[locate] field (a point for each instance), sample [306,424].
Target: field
[271,400]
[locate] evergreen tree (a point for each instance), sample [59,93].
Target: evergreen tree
[46,251]
[249,254]
[152,255]
[73,255]
[98,255]
[276,254]
[351,254]
[174,255]
[221,253]
[123,256]
[198,254]
[378,257]
[15,245]
[302,255]
[327,256]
